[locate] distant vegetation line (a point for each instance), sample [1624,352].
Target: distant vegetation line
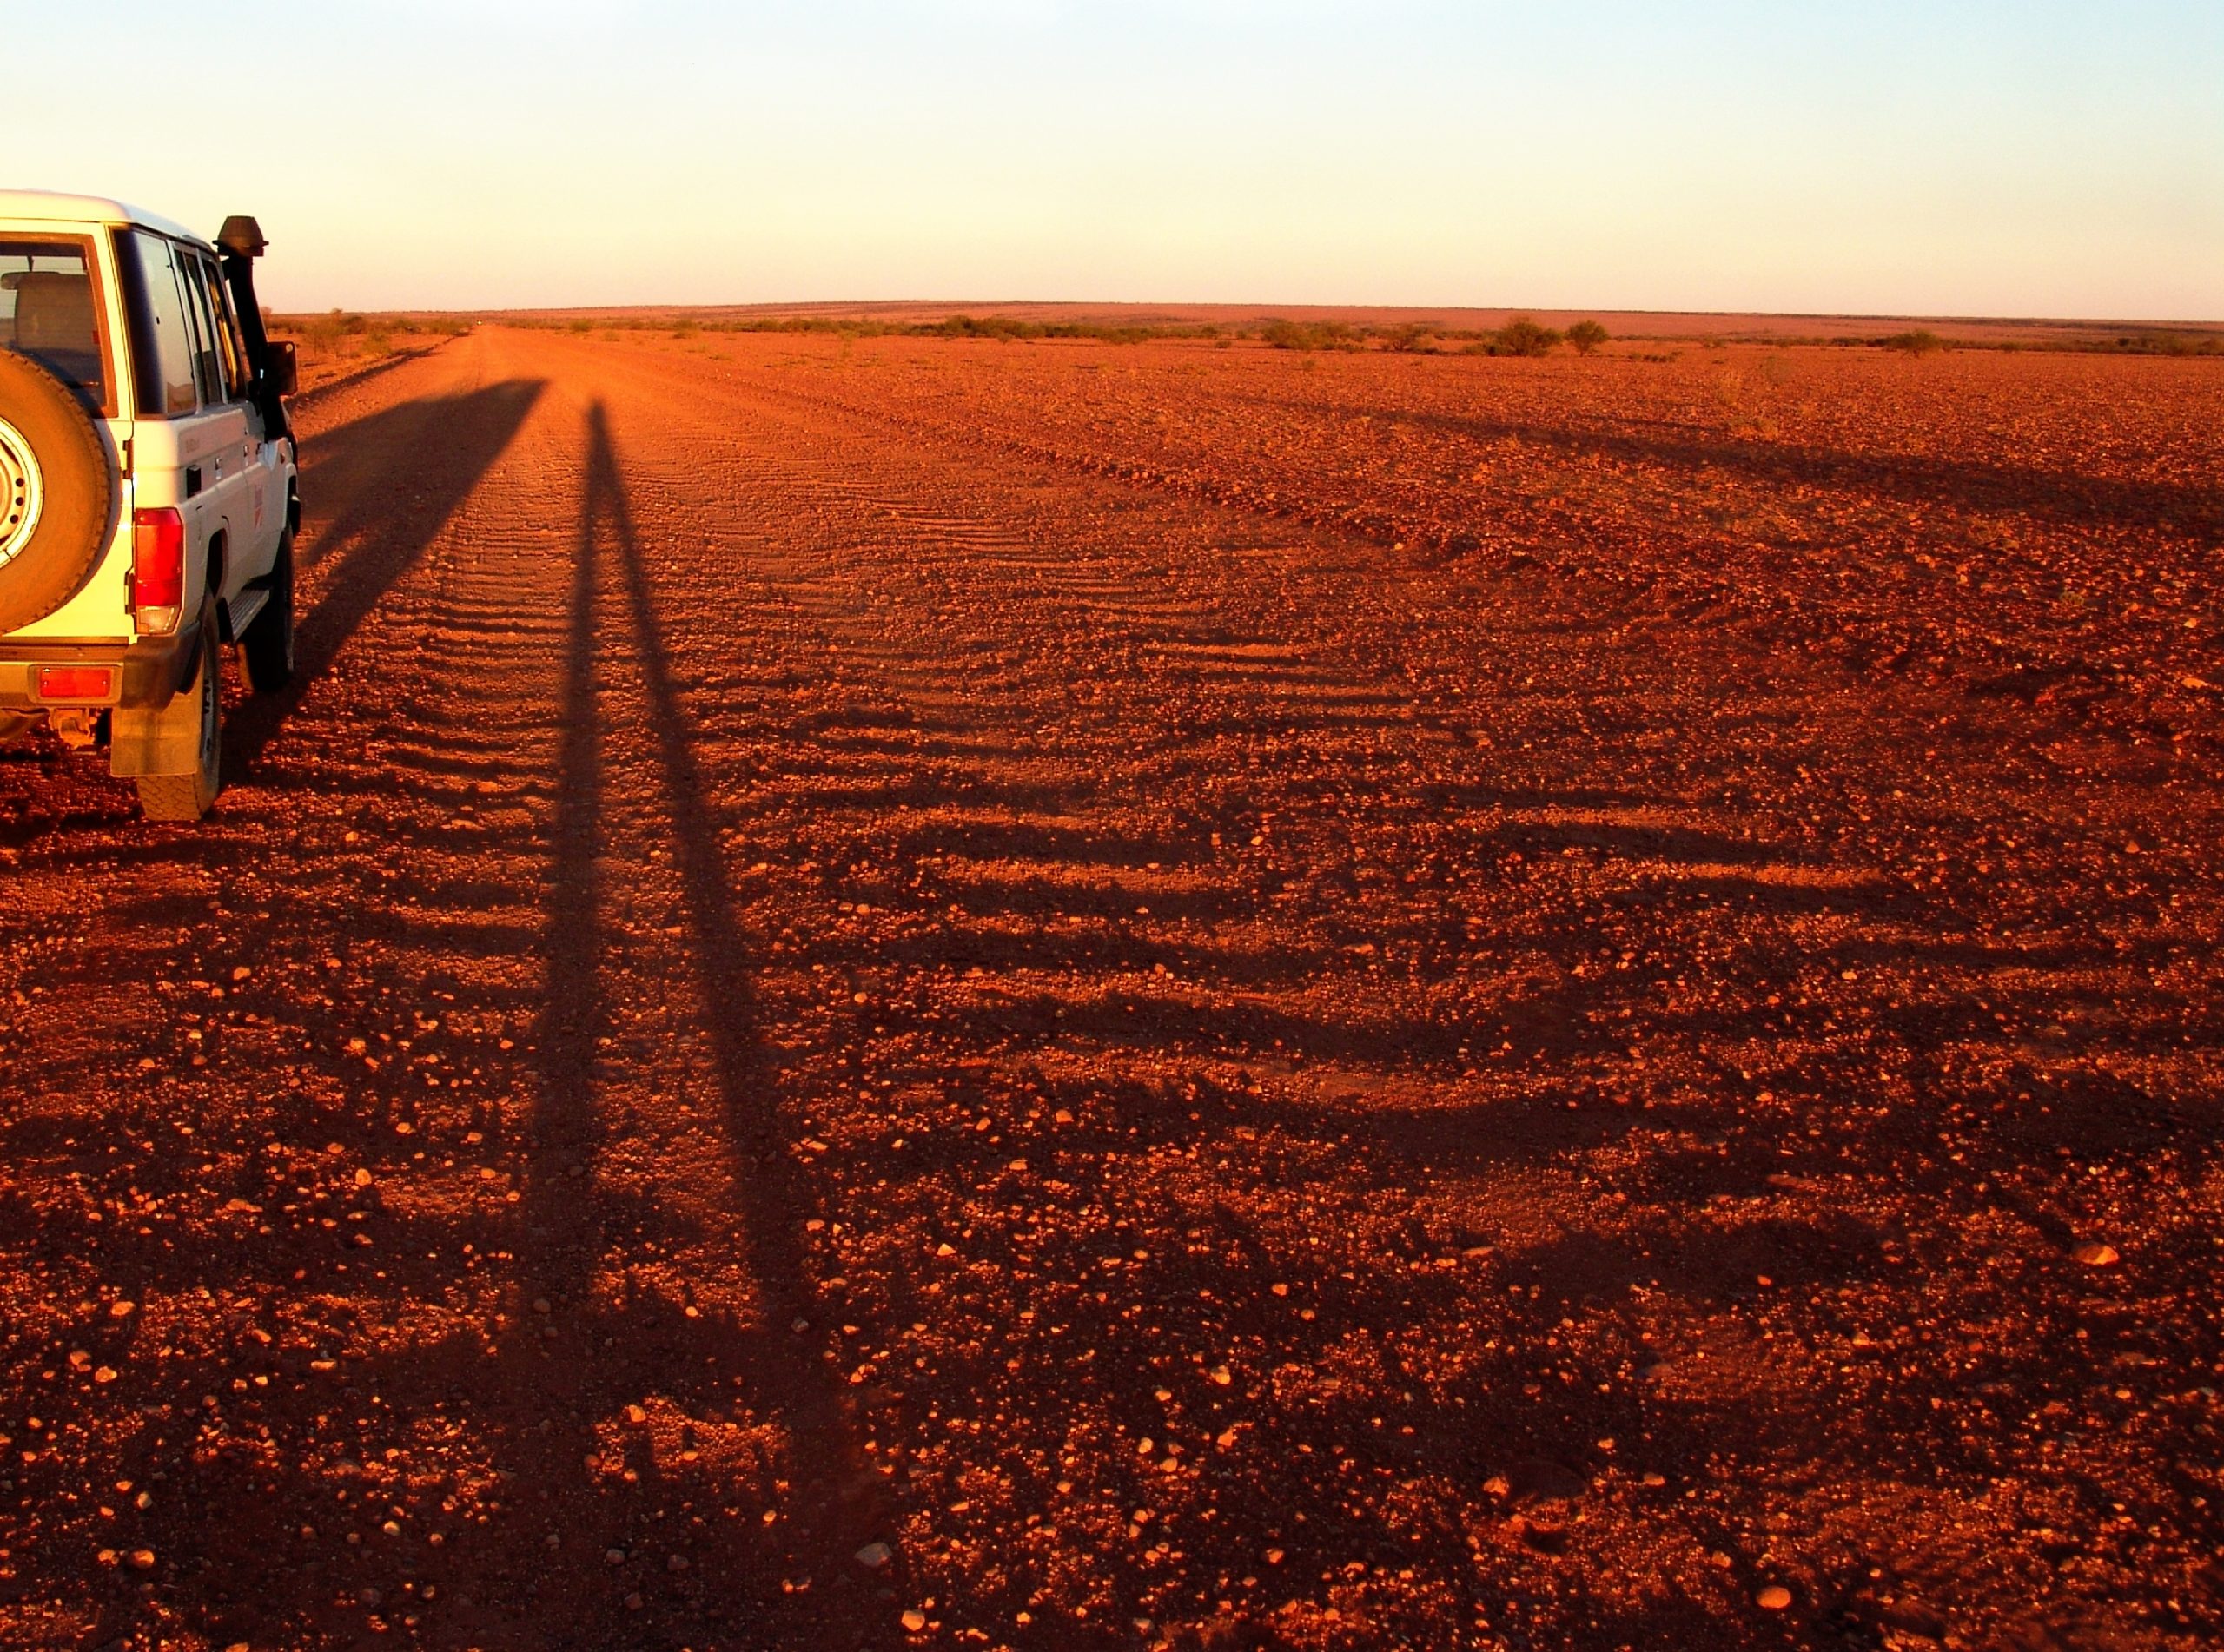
[372,334]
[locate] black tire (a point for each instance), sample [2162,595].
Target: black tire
[58,492]
[187,798]
[267,647]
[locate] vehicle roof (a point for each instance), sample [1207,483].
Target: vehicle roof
[43,206]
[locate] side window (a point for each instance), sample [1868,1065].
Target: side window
[163,338]
[205,370]
[230,349]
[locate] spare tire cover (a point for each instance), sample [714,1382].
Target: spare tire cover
[58,492]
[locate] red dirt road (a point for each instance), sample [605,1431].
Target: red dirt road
[1185,995]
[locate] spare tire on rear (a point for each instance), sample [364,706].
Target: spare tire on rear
[58,492]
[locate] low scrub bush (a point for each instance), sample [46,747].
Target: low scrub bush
[1309,336]
[1521,336]
[1587,336]
[2164,344]
[1921,342]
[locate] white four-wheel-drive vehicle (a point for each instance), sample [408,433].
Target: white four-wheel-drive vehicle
[148,501]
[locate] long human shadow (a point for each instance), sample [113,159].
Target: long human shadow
[828,1467]
[424,458]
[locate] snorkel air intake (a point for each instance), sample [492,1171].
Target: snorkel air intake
[241,242]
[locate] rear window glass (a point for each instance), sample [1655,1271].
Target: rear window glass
[50,310]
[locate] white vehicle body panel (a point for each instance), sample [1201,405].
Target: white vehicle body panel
[244,480]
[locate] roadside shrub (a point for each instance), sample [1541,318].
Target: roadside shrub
[1309,336]
[2165,344]
[1587,336]
[1521,336]
[332,326]
[1409,340]
[1003,328]
[1921,342]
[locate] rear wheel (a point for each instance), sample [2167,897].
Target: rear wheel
[189,796]
[267,647]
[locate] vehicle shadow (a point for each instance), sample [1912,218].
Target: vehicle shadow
[423,457]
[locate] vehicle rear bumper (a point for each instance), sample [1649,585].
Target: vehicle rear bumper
[145,670]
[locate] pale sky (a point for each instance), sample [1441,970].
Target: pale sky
[1953,157]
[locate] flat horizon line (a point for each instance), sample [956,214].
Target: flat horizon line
[1179,309]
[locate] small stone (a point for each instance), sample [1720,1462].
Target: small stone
[1062,1117]
[143,1559]
[945,1250]
[675,1562]
[636,1414]
[1222,1376]
[240,972]
[121,1308]
[1774,1598]
[2094,1254]
[873,1556]
[362,1177]
[540,1305]
[800,1325]
[615,1557]
[915,1619]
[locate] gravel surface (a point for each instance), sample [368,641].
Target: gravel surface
[906,992]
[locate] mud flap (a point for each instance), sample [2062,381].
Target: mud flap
[158,740]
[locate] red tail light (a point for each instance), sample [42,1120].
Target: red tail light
[158,569]
[94,682]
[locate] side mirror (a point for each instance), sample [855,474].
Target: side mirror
[285,371]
